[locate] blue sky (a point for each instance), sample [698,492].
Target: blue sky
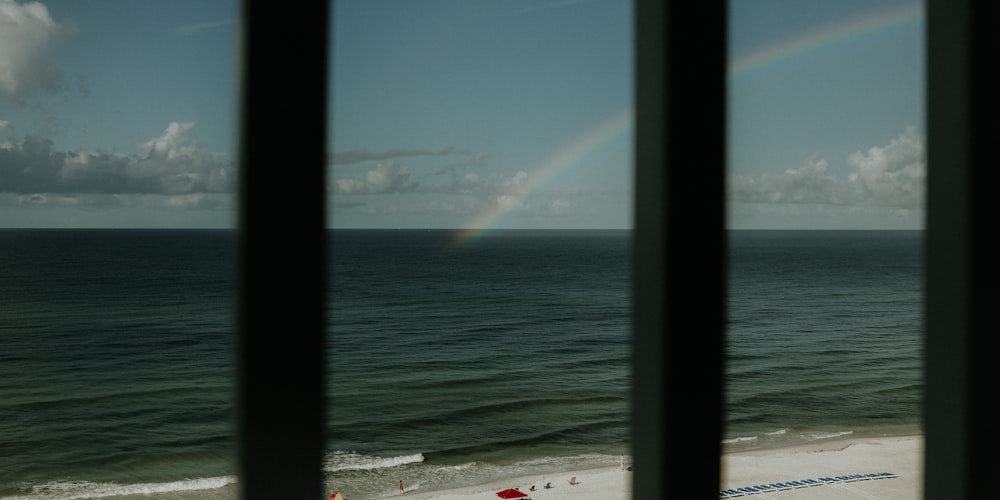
[826,114]
[454,114]
[492,107]
[117,113]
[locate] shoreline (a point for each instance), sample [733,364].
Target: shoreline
[899,455]
[902,456]
[605,483]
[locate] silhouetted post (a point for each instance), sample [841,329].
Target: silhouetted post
[961,458]
[680,248]
[282,282]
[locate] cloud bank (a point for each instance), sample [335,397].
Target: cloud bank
[387,177]
[890,176]
[460,186]
[27,36]
[174,168]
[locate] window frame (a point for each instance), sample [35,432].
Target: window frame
[680,102]
[282,276]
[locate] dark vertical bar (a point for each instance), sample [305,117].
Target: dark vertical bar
[648,287]
[984,460]
[680,248]
[947,237]
[281,292]
[961,290]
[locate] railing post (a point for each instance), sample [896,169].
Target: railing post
[960,459]
[680,248]
[282,272]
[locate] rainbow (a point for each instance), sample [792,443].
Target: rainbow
[561,161]
[832,34]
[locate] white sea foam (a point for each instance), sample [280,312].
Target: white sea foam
[747,439]
[427,476]
[347,460]
[72,490]
[740,439]
[816,436]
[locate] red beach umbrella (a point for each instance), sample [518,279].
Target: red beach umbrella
[511,493]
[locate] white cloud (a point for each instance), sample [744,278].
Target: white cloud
[892,175]
[460,189]
[808,183]
[559,207]
[889,176]
[507,202]
[387,177]
[27,33]
[192,201]
[175,165]
[173,143]
[515,181]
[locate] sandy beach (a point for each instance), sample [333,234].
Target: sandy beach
[901,456]
[610,483]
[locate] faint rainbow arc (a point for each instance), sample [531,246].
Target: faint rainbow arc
[790,47]
[562,160]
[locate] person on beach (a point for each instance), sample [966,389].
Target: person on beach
[400,485]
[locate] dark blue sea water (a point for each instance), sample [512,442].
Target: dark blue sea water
[116,362]
[455,361]
[452,361]
[825,336]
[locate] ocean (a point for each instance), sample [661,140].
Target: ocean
[116,362]
[453,360]
[824,336]
[457,361]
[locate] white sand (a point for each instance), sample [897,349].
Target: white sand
[610,483]
[902,456]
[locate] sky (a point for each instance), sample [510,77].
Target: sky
[826,115]
[117,113]
[472,114]
[482,113]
